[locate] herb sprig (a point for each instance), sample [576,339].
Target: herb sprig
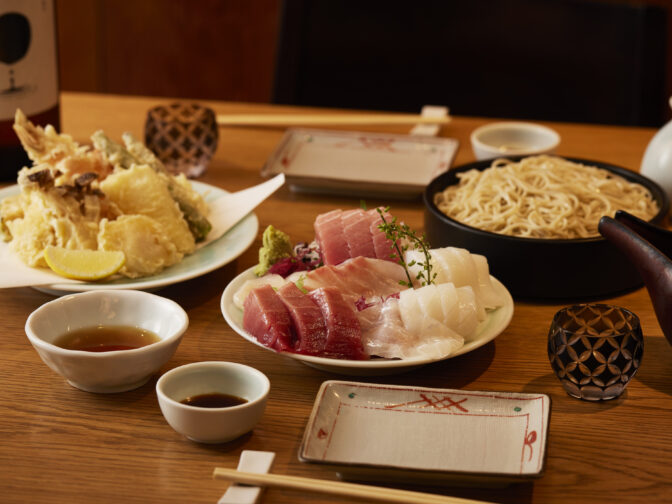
[403,239]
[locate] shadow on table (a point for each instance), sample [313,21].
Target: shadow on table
[455,373]
[519,493]
[562,402]
[198,291]
[655,370]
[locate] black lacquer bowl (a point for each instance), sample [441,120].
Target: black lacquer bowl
[542,269]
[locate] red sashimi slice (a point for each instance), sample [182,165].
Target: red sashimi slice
[357,231]
[329,236]
[266,318]
[344,234]
[357,277]
[307,320]
[381,244]
[344,337]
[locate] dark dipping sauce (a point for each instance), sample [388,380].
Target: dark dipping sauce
[214,400]
[106,339]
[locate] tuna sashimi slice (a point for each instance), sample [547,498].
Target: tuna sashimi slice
[344,337]
[381,244]
[330,237]
[307,319]
[266,318]
[357,231]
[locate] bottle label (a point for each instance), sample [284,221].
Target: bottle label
[28,69]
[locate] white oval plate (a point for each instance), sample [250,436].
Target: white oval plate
[496,321]
[204,260]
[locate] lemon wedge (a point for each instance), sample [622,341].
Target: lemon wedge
[84,264]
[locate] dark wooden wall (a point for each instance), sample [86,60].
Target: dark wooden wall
[202,49]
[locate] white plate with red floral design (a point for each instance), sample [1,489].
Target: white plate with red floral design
[360,163]
[377,432]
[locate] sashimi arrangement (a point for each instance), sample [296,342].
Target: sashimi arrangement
[367,287]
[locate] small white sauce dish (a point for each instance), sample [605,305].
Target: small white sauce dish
[212,425]
[113,371]
[513,138]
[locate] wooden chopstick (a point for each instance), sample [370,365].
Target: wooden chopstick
[337,488]
[318,119]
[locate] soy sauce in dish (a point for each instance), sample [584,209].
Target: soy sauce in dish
[106,338]
[214,400]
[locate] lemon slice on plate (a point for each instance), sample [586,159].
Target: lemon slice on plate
[84,264]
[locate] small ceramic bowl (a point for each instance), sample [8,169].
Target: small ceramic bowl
[113,371]
[512,139]
[207,424]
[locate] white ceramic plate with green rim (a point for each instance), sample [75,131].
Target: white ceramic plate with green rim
[204,260]
[495,323]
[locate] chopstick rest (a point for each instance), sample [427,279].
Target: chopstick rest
[428,129]
[254,462]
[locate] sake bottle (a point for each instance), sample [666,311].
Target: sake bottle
[28,74]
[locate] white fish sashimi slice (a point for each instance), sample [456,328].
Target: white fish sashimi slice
[386,336]
[429,301]
[450,304]
[409,309]
[365,276]
[416,260]
[321,277]
[275,281]
[449,264]
[489,296]
[391,339]
[442,266]
[300,278]
[457,308]
[468,312]
[460,267]
[438,340]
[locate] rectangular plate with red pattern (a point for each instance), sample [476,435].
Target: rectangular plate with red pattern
[359,163]
[417,434]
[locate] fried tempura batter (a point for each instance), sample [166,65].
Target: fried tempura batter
[108,197]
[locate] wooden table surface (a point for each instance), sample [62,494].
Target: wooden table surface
[59,444]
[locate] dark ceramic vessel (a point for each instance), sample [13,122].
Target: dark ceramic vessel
[540,269]
[649,249]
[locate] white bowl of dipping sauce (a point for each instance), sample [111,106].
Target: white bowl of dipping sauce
[108,340]
[213,402]
[512,138]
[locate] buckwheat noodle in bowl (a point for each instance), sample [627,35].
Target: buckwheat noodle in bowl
[542,197]
[535,220]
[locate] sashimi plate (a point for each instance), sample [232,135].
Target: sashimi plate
[214,255]
[494,324]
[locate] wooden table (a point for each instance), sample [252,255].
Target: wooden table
[59,444]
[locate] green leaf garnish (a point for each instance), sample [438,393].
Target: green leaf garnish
[403,239]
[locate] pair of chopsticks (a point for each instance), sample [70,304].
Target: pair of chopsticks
[336,488]
[325,120]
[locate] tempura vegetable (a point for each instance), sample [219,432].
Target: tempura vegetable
[108,196]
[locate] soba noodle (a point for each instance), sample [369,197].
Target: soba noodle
[542,197]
